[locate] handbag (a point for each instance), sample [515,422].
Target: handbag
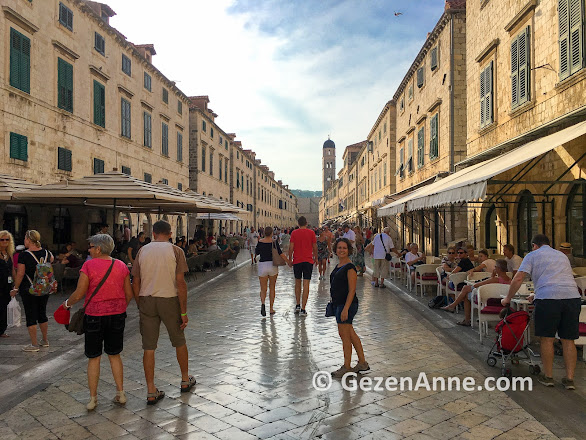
[76,322]
[277,259]
[388,256]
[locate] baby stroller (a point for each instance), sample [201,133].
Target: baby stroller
[510,341]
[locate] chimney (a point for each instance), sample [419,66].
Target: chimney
[147,51]
[200,102]
[102,10]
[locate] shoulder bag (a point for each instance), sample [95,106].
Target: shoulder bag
[388,256]
[76,321]
[277,259]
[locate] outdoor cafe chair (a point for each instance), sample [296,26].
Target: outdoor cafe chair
[456,279]
[479,276]
[488,305]
[440,285]
[581,282]
[233,257]
[395,268]
[579,271]
[582,335]
[425,275]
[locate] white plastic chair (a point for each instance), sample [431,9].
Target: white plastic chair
[455,278]
[581,282]
[423,276]
[440,286]
[482,295]
[396,271]
[479,276]
[579,271]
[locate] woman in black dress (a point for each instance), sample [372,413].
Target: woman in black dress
[6,277]
[343,292]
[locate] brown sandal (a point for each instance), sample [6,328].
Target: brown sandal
[153,398]
[187,385]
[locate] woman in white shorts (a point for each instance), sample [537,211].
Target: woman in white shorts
[267,272]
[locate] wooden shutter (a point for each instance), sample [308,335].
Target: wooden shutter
[576,41]
[524,67]
[433,147]
[179,147]
[515,73]
[486,94]
[99,104]
[147,130]
[420,147]
[20,52]
[564,22]
[420,77]
[434,58]
[482,93]
[165,139]
[65,85]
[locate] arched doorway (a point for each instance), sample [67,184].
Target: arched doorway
[575,214]
[490,237]
[527,222]
[16,222]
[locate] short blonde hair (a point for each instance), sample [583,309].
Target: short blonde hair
[10,248]
[33,236]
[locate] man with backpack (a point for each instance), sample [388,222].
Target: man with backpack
[35,282]
[381,246]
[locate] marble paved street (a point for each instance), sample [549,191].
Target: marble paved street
[255,378]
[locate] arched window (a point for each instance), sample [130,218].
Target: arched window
[575,214]
[490,228]
[527,220]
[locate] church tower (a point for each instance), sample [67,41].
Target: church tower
[328,164]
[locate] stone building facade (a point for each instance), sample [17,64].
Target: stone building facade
[77,98]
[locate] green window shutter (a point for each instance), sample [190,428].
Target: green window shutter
[564,33]
[489,94]
[482,94]
[64,159]
[20,62]
[434,58]
[148,178]
[147,130]
[18,147]
[524,67]
[203,159]
[164,139]
[126,170]
[421,147]
[65,85]
[125,118]
[515,73]
[576,41]
[179,147]
[220,168]
[98,166]
[99,104]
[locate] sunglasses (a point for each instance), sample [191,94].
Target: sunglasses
[463,253]
[4,239]
[91,246]
[451,253]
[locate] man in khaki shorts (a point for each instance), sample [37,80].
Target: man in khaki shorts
[380,245]
[160,291]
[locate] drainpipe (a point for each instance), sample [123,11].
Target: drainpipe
[452,93]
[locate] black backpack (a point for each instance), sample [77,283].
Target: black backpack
[437,302]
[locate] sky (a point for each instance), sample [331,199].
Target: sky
[285,74]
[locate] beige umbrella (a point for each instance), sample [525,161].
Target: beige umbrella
[11,184]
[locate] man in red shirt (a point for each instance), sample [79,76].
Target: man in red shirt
[303,248]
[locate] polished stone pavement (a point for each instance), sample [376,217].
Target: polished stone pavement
[255,377]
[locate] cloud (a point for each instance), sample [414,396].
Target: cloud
[281,74]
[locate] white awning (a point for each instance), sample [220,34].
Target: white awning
[469,184]
[217,216]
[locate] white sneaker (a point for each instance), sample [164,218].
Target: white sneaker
[44,343]
[30,348]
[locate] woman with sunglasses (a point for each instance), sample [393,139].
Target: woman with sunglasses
[7,274]
[35,307]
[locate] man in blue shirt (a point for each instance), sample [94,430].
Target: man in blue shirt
[557,305]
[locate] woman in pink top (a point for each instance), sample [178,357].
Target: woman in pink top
[499,276]
[105,314]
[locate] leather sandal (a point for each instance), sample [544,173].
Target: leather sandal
[153,398]
[187,385]
[463,323]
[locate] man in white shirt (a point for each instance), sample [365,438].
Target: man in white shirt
[513,261]
[557,306]
[252,242]
[380,245]
[414,258]
[349,234]
[160,291]
[485,264]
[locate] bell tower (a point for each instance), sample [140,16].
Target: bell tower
[328,164]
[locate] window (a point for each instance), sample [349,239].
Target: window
[486,92]
[238,179]
[180,186]
[220,168]
[575,214]
[98,166]
[148,82]
[221,140]
[211,163]
[433,137]
[571,36]
[165,95]
[226,144]
[99,43]
[212,132]
[385,173]
[165,181]
[180,147]
[147,130]
[20,61]
[179,107]
[410,92]
[126,65]
[64,159]
[203,126]
[164,139]
[490,231]
[420,77]
[434,59]
[410,155]
[99,104]
[126,170]
[18,147]
[527,220]
[520,69]
[203,159]
[226,170]
[125,118]
[65,16]
[64,85]
[421,147]
[148,178]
